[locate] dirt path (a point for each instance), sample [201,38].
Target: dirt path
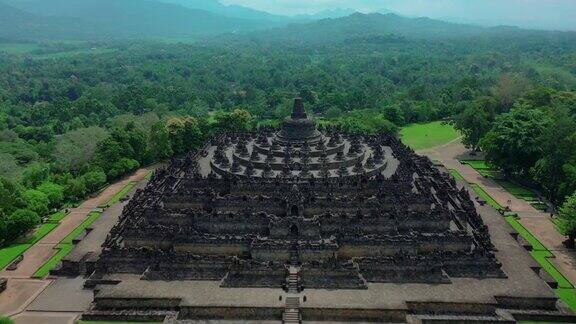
[21,289]
[536,221]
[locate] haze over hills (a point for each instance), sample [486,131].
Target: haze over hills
[18,24]
[113,19]
[231,10]
[117,19]
[392,28]
[365,25]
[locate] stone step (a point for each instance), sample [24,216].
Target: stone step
[294,302]
[455,319]
[542,316]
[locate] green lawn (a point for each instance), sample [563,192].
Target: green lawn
[481,167]
[485,196]
[541,254]
[13,251]
[423,136]
[66,246]
[119,195]
[457,175]
[92,217]
[55,218]
[516,190]
[63,250]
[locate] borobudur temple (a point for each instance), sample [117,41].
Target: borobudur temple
[299,224]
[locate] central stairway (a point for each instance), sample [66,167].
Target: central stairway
[292,311]
[292,308]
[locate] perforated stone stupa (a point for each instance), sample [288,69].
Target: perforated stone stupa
[296,211]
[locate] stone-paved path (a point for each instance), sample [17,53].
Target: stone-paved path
[22,290]
[536,221]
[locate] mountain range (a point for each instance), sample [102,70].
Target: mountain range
[36,20]
[50,19]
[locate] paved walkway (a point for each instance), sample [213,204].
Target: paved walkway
[22,290]
[536,221]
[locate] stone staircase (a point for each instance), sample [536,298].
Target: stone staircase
[292,311]
[293,280]
[292,308]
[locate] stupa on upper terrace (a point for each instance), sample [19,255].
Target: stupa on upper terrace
[299,150]
[298,127]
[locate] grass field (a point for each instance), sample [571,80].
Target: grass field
[423,136]
[35,51]
[11,252]
[18,48]
[482,168]
[457,175]
[65,246]
[516,190]
[92,217]
[541,254]
[66,54]
[485,196]
[56,217]
[119,195]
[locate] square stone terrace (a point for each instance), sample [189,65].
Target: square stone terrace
[522,282]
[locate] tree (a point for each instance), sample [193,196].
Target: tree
[237,121]
[20,222]
[36,201]
[185,134]
[333,112]
[512,143]
[474,122]
[558,143]
[54,192]
[394,114]
[567,220]
[35,174]
[122,167]
[160,145]
[10,197]
[76,148]
[509,88]
[94,180]
[9,167]
[124,148]
[75,188]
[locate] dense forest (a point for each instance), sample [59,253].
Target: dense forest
[70,124]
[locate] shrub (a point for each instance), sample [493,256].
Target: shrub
[37,201]
[53,191]
[94,180]
[6,320]
[20,222]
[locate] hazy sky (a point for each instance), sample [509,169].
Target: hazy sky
[554,14]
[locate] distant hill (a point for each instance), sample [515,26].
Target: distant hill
[128,18]
[331,13]
[16,24]
[230,11]
[360,25]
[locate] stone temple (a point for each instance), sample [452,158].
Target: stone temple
[302,225]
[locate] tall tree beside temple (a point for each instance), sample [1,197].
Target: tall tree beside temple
[567,220]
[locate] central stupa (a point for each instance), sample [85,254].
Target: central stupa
[298,128]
